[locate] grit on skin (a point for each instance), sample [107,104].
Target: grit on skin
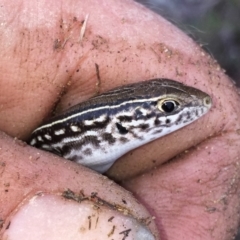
[44,60]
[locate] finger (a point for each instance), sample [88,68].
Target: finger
[43,197]
[196,196]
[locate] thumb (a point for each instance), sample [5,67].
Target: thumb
[48,198]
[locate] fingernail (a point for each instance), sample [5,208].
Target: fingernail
[70,216]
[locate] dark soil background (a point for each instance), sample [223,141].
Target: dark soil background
[215,24]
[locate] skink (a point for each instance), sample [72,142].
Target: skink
[95,133]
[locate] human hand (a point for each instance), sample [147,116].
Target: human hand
[44,54]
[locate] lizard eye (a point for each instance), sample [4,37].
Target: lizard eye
[168,106]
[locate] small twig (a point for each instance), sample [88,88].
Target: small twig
[125,233]
[98,84]
[83,28]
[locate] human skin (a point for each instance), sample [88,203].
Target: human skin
[47,61]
